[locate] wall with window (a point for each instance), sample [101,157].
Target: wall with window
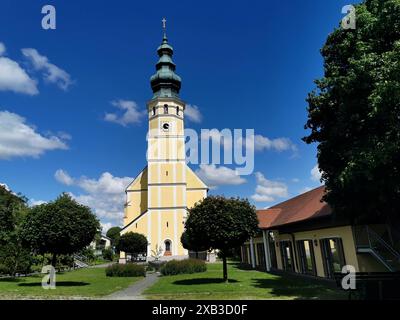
[324,251]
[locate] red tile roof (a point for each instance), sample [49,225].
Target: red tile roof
[303,207]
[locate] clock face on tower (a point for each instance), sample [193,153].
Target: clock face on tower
[165,126]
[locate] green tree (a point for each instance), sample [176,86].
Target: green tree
[59,227]
[114,234]
[222,224]
[13,256]
[132,242]
[353,115]
[191,246]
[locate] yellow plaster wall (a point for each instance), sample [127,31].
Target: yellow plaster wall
[345,233]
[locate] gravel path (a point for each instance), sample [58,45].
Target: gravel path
[134,291]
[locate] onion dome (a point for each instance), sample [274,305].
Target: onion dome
[165,82]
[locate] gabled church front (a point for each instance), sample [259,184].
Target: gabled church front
[157,200]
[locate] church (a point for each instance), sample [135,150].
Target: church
[158,198]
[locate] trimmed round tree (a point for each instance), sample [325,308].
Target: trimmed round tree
[190,245]
[59,227]
[132,242]
[220,223]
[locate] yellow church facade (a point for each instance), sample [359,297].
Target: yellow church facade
[158,198]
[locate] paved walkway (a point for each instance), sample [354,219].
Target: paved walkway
[134,291]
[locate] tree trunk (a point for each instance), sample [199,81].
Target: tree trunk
[224,268]
[54,260]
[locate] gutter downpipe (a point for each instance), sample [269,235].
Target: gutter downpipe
[266,250]
[295,253]
[253,262]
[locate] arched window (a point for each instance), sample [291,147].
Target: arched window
[167,245]
[177,111]
[154,111]
[165,108]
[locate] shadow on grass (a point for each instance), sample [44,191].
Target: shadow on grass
[299,289]
[58,283]
[203,281]
[11,280]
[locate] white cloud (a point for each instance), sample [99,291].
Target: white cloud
[315,174]
[130,115]
[295,180]
[193,114]
[63,177]
[2,48]
[268,190]
[14,78]
[34,202]
[279,144]
[216,176]
[18,139]
[262,143]
[51,72]
[105,226]
[106,195]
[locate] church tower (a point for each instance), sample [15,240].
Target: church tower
[158,198]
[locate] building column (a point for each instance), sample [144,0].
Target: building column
[266,250]
[253,259]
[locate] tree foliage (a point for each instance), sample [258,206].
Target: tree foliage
[132,242]
[114,234]
[14,257]
[220,223]
[59,227]
[354,114]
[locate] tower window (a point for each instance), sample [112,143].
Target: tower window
[166,173]
[177,111]
[154,111]
[167,224]
[136,225]
[165,108]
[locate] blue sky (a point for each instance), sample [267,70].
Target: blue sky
[243,64]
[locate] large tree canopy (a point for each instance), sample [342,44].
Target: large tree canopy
[220,223]
[60,227]
[354,115]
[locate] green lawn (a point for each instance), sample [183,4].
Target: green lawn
[83,283]
[243,284]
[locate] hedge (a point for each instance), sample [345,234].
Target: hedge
[183,266]
[126,270]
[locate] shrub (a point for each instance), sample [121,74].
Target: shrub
[183,266]
[108,254]
[126,270]
[156,264]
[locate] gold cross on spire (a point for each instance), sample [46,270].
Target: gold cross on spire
[164,24]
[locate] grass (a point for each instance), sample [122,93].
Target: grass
[243,284]
[82,283]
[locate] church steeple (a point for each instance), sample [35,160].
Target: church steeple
[165,82]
